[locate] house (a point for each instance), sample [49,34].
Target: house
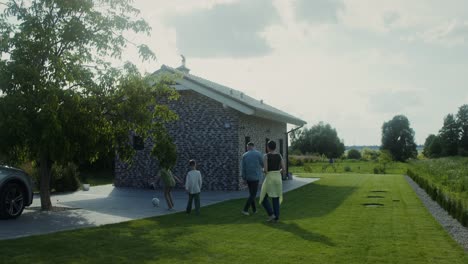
[215,124]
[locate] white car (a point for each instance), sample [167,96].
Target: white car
[16,192]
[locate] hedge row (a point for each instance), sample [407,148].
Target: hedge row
[454,206]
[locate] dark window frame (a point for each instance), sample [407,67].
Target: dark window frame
[138,143]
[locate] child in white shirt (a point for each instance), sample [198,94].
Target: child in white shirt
[193,185]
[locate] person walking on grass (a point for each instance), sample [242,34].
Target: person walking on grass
[272,185]
[193,185]
[169,181]
[251,171]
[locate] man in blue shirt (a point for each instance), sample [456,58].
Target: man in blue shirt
[251,172]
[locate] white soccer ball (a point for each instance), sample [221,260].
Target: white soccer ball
[155,202]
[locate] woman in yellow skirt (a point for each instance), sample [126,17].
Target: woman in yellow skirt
[272,185]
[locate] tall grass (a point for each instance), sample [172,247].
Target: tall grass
[446,181]
[348,166]
[450,173]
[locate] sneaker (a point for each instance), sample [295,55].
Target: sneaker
[271,218]
[245,212]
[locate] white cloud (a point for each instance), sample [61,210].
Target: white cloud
[318,11]
[225,30]
[452,33]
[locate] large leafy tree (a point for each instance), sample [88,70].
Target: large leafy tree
[432,147]
[398,138]
[61,99]
[462,120]
[449,135]
[320,138]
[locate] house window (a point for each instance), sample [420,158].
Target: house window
[280,146]
[247,140]
[266,144]
[138,143]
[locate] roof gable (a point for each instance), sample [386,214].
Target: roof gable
[230,97]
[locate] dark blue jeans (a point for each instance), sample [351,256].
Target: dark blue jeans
[193,197]
[276,206]
[253,187]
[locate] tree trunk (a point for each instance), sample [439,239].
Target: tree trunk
[44,170]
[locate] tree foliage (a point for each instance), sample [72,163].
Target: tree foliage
[354,154]
[398,138]
[432,147]
[449,135]
[320,139]
[462,120]
[61,99]
[452,138]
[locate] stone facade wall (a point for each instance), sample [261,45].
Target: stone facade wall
[211,134]
[258,130]
[141,173]
[207,132]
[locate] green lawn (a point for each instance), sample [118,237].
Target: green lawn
[323,222]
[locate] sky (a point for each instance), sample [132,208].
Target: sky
[351,63]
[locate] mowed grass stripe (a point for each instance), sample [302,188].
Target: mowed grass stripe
[323,222]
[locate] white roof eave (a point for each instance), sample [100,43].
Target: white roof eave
[279,118]
[189,84]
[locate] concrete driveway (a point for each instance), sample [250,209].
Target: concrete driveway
[107,205]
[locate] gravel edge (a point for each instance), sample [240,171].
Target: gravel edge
[458,232]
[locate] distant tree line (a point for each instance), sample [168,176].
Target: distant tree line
[322,139]
[397,143]
[397,140]
[452,138]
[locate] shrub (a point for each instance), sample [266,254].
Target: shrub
[463,152]
[65,178]
[29,167]
[379,170]
[292,161]
[369,154]
[307,168]
[465,218]
[354,154]
[383,170]
[299,162]
[347,168]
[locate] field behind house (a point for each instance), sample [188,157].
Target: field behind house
[451,174]
[348,166]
